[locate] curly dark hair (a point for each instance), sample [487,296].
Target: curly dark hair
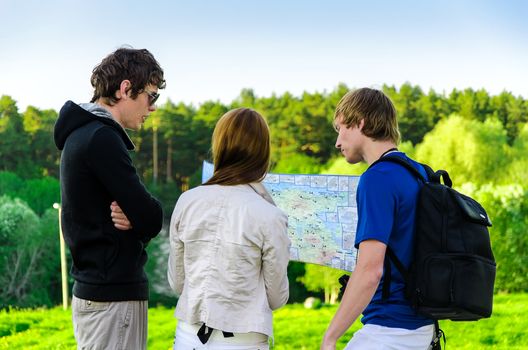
[137,65]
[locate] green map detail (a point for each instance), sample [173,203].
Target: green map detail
[322,216]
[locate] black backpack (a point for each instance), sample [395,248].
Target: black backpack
[452,273]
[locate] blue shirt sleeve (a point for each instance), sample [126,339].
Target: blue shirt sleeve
[377,204]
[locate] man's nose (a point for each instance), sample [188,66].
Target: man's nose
[152,108]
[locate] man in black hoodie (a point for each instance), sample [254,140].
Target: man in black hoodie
[108,216]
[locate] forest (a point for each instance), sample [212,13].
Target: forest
[480,139]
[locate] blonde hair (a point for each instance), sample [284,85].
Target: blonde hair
[375,108]
[241,148]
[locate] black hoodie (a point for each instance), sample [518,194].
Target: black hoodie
[95,170]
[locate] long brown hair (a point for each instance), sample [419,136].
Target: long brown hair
[241,148]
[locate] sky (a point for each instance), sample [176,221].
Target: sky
[211,50]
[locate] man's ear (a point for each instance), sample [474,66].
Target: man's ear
[361,124]
[124,87]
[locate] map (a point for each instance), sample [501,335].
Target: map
[322,215]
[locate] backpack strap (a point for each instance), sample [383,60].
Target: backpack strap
[407,165]
[444,175]
[438,335]
[387,277]
[390,255]
[436,177]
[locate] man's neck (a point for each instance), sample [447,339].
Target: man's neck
[375,149]
[112,109]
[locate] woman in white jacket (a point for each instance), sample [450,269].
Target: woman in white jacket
[229,245]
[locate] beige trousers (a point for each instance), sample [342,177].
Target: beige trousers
[112,325]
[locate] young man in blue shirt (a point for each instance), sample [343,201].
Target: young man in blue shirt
[365,120]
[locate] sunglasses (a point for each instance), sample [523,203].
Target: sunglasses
[152,96]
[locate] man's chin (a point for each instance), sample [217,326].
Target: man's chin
[353,161]
[134,128]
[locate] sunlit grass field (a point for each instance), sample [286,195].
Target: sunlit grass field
[295,328]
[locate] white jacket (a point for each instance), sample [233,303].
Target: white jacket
[228,259]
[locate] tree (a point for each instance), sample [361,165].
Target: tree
[413,122]
[339,166]
[153,123]
[321,278]
[470,104]
[50,262]
[471,151]
[336,95]
[317,135]
[23,250]
[14,142]
[40,194]
[517,170]
[299,126]
[39,125]
[246,99]
[511,112]
[298,164]
[193,139]
[507,206]
[156,268]
[10,184]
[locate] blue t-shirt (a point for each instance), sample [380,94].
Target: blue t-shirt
[386,197]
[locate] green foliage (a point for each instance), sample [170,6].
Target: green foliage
[413,121]
[321,278]
[507,206]
[36,329]
[510,111]
[40,194]
[298,291]
[10,184]
[167,194]
[297,164]
[407,148]
[14,142]
[50,263]
[156,269]
[176,137]
[182,144]
[340,166]
[20,253]
[38,126]
[470,104]
[295,328]
[471,151]
[479,138]
[517,170]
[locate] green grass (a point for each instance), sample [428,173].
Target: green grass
[295,328]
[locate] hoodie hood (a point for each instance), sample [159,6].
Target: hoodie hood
[73,116]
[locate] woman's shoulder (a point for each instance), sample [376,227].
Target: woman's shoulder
[263,210]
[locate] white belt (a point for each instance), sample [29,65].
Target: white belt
[238,338]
